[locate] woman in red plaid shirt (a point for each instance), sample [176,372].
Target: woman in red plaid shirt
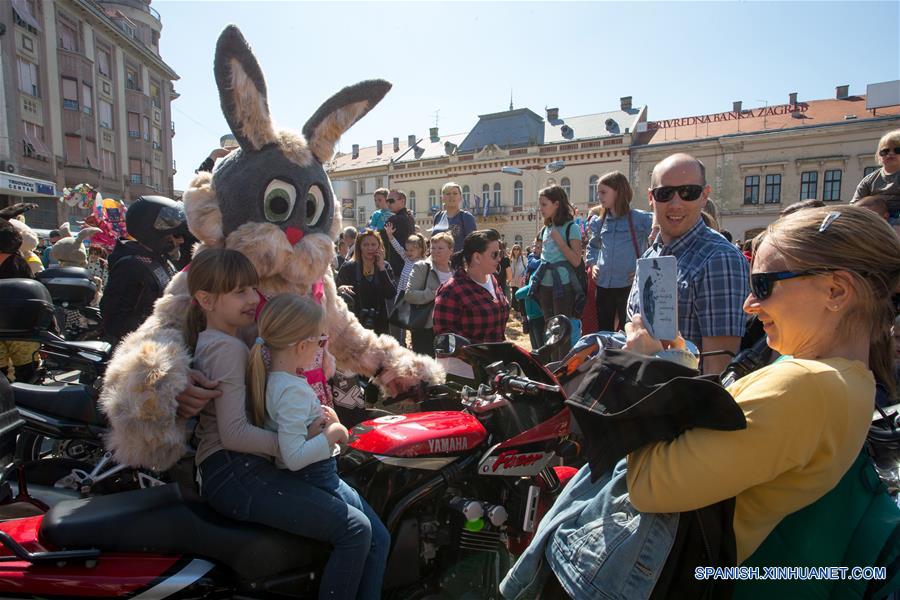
[471,303]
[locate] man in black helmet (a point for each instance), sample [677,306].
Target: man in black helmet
[139,268]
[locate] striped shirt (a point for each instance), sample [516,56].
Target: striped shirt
[407,266]
[713,281]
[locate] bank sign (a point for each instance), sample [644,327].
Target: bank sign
[766,111]
[26,186]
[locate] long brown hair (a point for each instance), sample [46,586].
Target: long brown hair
[357,247]
[618,183]
[215,271]
[285,320]
[564,210]
[861,243]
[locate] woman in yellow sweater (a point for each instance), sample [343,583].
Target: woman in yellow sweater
[821,285]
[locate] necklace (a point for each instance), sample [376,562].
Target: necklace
[368,270]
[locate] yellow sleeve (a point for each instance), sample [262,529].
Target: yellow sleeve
[703,466]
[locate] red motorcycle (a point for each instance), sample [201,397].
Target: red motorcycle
[460,491]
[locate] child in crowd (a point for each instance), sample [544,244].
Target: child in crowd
[412,252]
[382,213]
[236,474]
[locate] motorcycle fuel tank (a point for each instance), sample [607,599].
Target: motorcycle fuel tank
[435,433]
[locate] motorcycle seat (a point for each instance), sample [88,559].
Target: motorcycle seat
[72,402]
[164,520]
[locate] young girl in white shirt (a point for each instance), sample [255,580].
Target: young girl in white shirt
[238,477]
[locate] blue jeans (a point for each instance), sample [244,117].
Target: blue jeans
[250,488]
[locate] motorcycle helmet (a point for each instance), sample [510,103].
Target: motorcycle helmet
[152,219]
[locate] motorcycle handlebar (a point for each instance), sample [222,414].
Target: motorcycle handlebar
[522,385]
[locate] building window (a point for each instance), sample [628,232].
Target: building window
[103,62]
[751,189]
[379,182]
[518,241]
[30,20]
[869,170]
[497,194]
[68,35]
[809,185]
[773,189]
[28,78]
[157,178]
[361,216]
[134,125]
[146,130]
[411,202]
[73,150]
[432,199]
[146,174]
[154,37]
[27,43]
[33,142]
[105,112]
[35,131]
[70,93]
[154,94]
[90,153]
[87,99]
[592,189]
[108,162]
[518,195]
[485,195]
[157,138]
[832,188]
[567,186]
[466,193]
[362,186]
[131,78]
[134,170]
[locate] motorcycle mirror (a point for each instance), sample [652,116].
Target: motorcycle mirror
[446,344]
[557,331]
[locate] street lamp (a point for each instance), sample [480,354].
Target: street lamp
[550,167]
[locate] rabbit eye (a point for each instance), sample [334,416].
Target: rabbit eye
[279,200]
[315,205]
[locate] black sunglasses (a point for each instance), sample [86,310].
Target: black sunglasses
[886,151]
[689,193]
[761,284]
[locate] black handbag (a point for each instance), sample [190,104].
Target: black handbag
[411,316]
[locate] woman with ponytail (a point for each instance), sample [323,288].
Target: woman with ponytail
[472,303]
[300,493]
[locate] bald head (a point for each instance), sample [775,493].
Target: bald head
[683,165]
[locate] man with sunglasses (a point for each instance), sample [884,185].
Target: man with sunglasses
[885,181]
[404,225]
[712,278]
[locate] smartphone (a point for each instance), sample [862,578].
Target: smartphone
[658,295]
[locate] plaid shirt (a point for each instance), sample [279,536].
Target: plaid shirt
[464,307]
[713,281]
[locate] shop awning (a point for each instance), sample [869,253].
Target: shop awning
[19,185]
[21,8]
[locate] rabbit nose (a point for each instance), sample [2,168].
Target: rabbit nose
[293,234]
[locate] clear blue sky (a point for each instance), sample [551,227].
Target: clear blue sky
[463,59]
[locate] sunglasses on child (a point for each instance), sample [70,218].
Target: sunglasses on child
[689,193]
[886,151]
[761,284]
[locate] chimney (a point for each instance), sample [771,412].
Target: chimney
[625,103]
[842,92]
[378,147]
[553,114]
[396,144]
[736,106]
[411,141]
[433,134]
[355,150]
[792,98]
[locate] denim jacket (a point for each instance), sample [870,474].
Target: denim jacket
[596,543]
[611,247]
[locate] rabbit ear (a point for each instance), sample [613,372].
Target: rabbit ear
[86,234]
[339,113]
[64,230]
[242,91]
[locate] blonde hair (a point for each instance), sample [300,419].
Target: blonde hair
[444,236]
[215,271]
[285,320]
[419,240]
[888,139]
[861,243]
[449,185]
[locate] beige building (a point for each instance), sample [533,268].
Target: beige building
[87,99]
[580,150]
[760,160]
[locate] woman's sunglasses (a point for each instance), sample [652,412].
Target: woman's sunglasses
[761,284]
[886,151]
[688,193]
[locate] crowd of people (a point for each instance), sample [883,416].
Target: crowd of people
[807,414]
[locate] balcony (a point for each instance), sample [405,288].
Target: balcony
[134,134]
[134,179]
[491,210]
[173,128]
[70,104]
[137,4]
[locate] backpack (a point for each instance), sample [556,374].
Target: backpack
[580,274]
